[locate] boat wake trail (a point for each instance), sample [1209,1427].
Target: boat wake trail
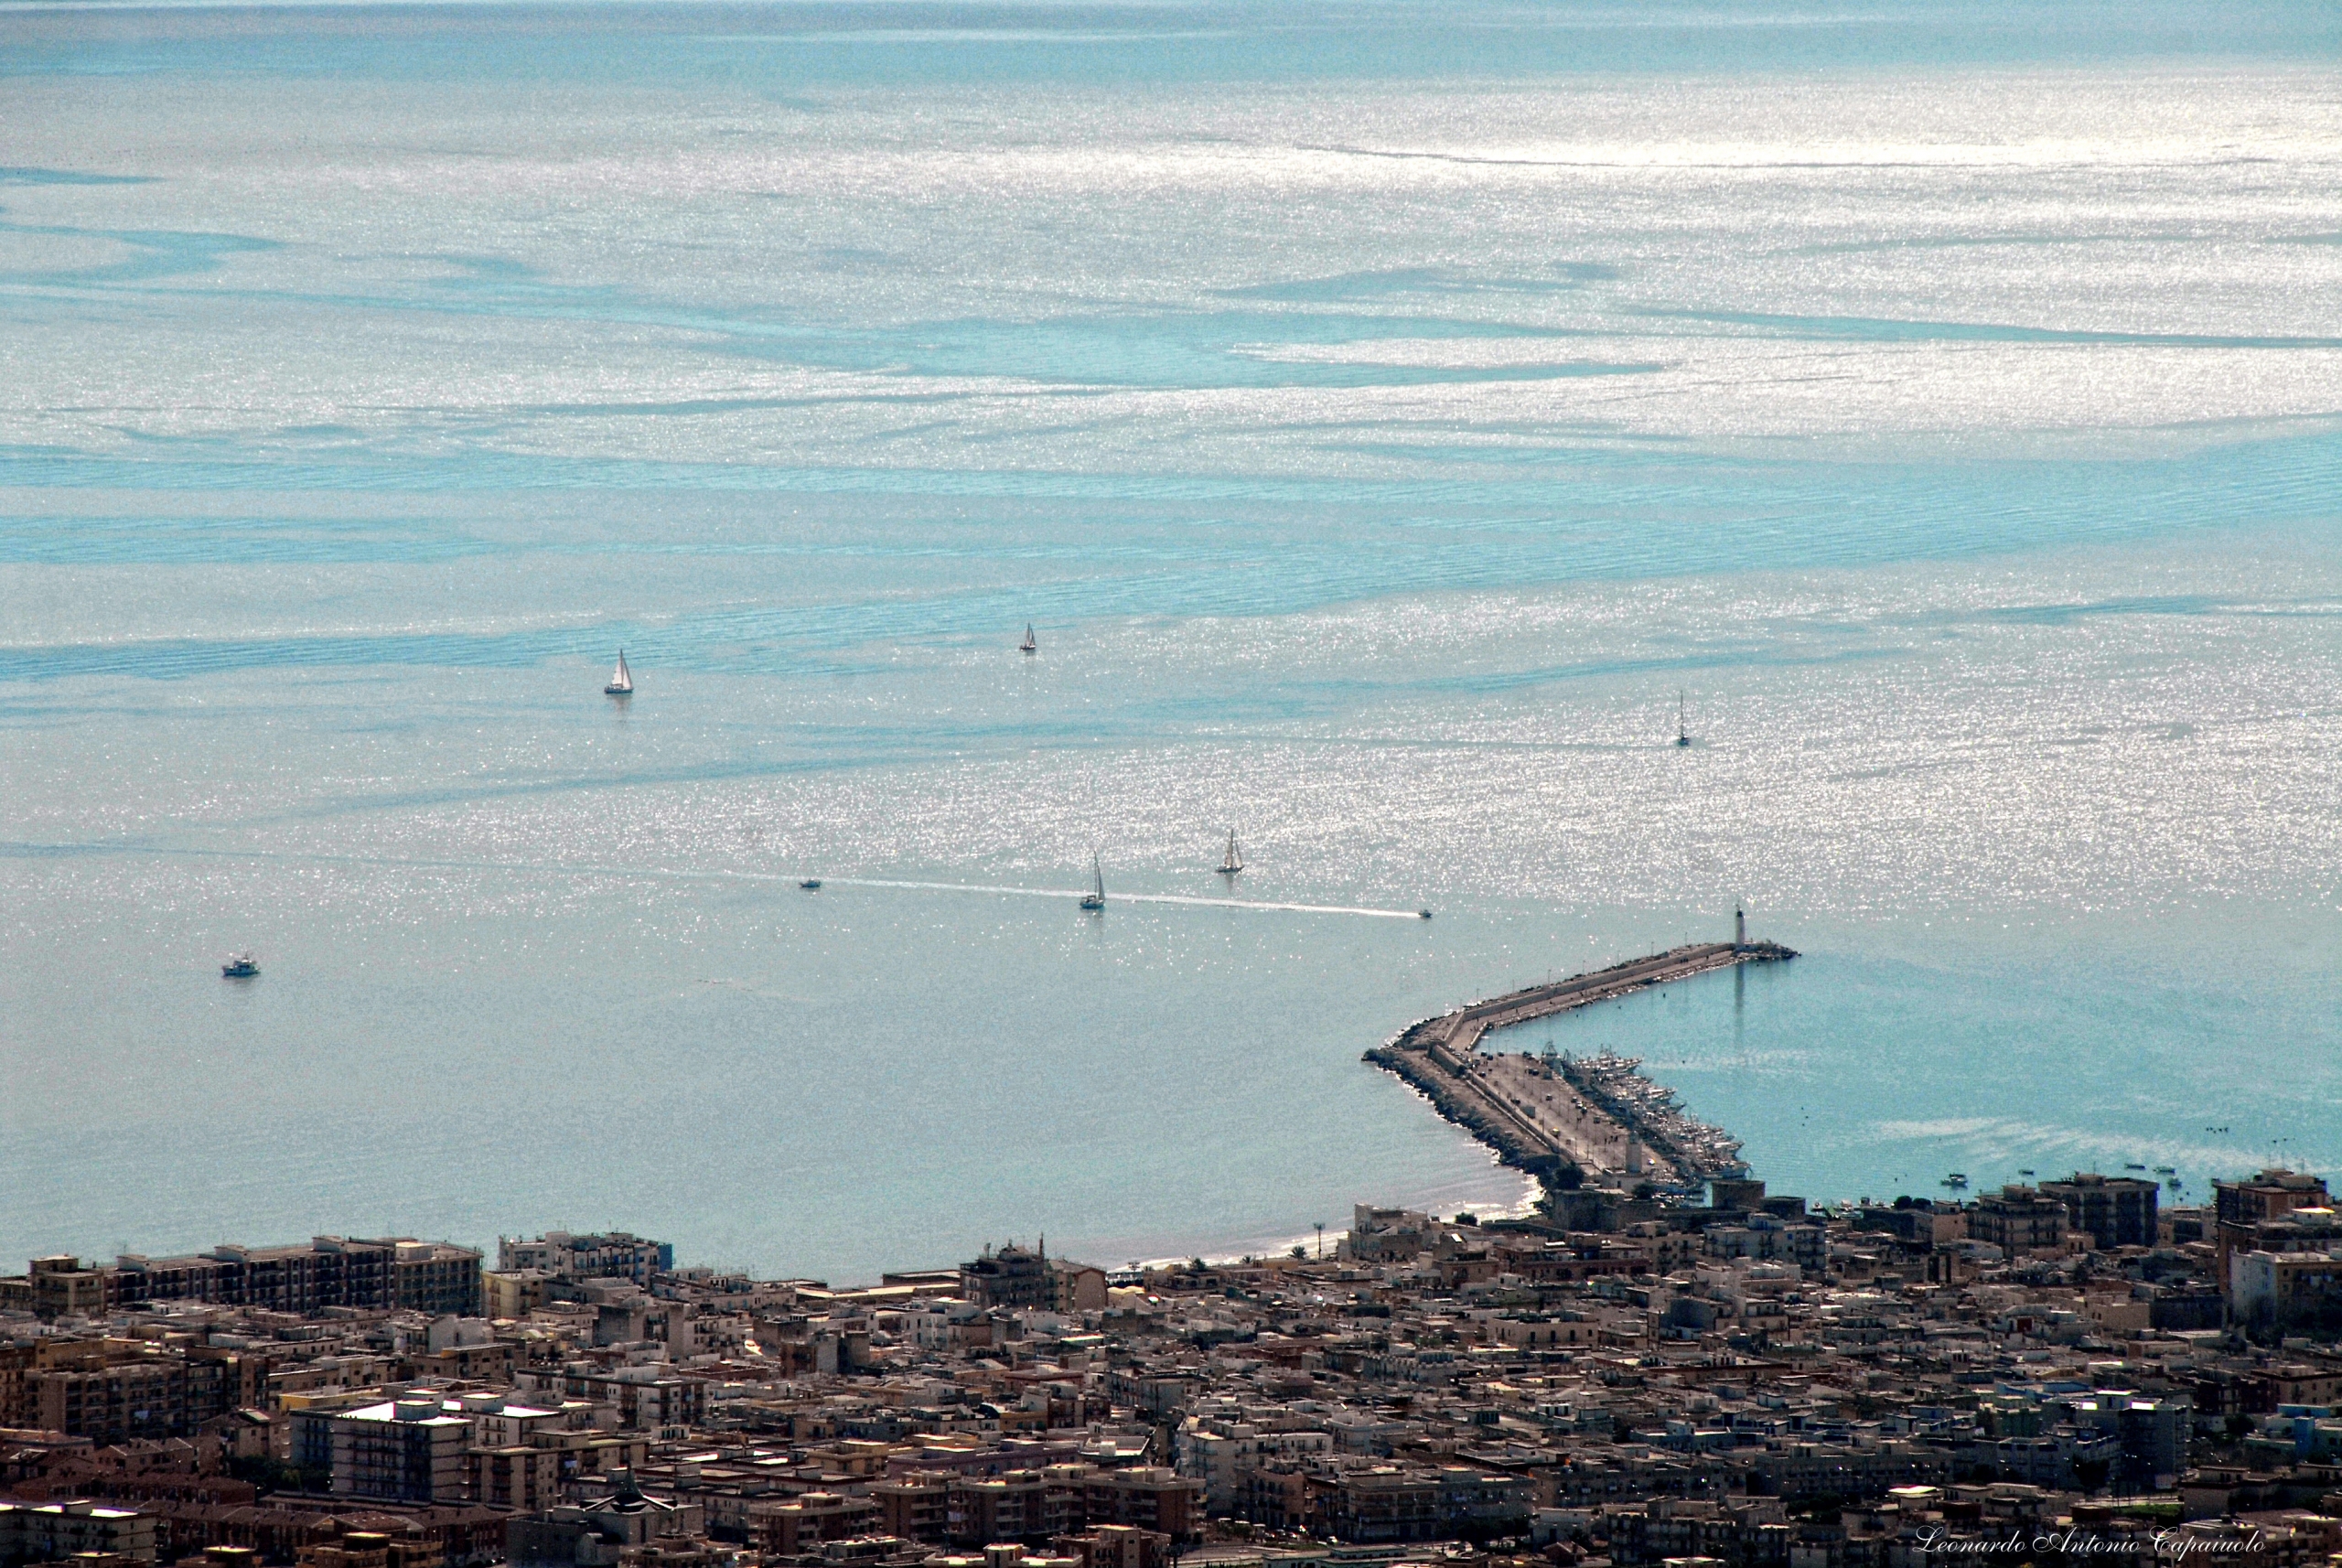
[1118,898]
[664,874]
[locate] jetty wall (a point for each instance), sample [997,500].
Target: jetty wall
[1565,1136]
[1480,1115]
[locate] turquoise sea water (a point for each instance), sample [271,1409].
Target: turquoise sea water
[1383,413]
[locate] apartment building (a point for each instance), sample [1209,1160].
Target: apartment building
[2018,1220]
[406,1450]
[46,1532]
[2117,1211]
[601,1255]
[125,1392]
[388,1273]
[514,1476]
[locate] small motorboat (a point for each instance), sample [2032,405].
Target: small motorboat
[621,679]
[240,966]
[1422,913]
[812,885]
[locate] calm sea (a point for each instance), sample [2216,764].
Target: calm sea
[1390,417]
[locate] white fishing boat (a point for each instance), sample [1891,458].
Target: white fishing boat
[1029,645]
[1096,897]
[1232,862]
[621,679]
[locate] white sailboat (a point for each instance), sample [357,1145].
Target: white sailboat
[621,679]
[1096,897]
[1029,645]
[1232,862]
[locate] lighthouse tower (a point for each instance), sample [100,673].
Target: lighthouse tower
[1739,928]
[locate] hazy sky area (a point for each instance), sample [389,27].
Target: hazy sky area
[1387,415]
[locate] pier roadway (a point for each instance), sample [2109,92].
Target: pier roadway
[1547,1106]
[1532,1115]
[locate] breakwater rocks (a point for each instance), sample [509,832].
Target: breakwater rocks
[1472,1109]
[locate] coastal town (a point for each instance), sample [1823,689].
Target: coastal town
[1662,1364]
[1618,1378]
[1181,784]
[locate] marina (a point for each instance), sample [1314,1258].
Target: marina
[1571,1122]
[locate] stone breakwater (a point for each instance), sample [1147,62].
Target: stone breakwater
[1566,1122]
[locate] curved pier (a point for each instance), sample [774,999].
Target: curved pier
[1567,1122]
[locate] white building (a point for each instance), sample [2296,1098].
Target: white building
[604,1256]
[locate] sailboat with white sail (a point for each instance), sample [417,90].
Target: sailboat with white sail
[1232,862]
[1096,897]
[621,679]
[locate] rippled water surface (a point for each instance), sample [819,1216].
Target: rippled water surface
[1383,414]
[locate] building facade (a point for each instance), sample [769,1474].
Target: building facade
[2116,1212]
[2018,1220]
[2239,1206]
[601,1255]
[395,1273]
[1014,1278]
[46,1532]
[407,1451]
[116,1396]
[2286,1291]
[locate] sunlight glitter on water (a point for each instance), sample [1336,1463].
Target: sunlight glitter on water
[1379,455]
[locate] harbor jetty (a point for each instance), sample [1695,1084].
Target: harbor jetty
[1571,1122]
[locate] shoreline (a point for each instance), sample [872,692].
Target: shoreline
[1522,1205]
